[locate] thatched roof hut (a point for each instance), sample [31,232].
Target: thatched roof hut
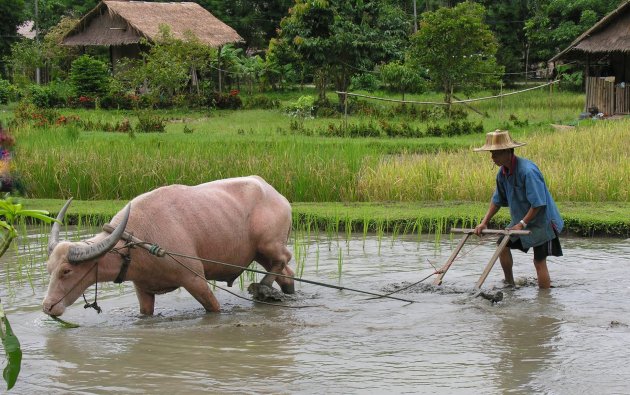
[116,23]
[604,50]
[608,36]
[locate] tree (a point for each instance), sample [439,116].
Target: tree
[401,78]
[456,49]
[554,24]
[11,16]
[342,38]
[256,21]
[507,21]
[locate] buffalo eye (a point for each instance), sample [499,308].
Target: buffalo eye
[65,272]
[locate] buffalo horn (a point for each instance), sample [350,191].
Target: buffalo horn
[82,253]
[53,240]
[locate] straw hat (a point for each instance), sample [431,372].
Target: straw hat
[499,140]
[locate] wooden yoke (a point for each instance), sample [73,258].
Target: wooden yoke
[493,259]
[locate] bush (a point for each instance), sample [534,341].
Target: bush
[229,101]
[8,92]
[120,101]
[304,107]
[89,77]
[368,82]
[48,96]
[454,129]
[150,123]
[262,102]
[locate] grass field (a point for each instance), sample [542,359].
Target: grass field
[588,163]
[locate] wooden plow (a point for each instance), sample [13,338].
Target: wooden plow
[467,233]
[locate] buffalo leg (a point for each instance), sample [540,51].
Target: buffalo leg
[277,266]
[200,290]
[146,301]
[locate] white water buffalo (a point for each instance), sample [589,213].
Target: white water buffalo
[235,221]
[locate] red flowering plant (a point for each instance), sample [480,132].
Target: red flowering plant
[7,183]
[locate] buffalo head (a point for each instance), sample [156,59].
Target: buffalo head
[70,263]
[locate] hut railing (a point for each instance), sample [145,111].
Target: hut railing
[602,93]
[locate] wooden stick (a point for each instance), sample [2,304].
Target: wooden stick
[492,231]
[444,269]
[493,259]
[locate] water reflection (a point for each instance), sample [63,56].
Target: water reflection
[177,354]
[556,341]
[526,338]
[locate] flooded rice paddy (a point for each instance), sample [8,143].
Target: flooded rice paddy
[568,340]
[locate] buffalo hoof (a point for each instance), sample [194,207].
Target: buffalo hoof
[288,289]
[264,292]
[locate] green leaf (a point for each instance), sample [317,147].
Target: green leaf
[13,352]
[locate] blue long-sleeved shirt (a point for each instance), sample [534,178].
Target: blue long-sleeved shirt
[524,187]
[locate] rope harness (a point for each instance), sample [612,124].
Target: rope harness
[156,250]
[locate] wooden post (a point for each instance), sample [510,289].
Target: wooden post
[493,259]
[451,259]
[345,117]
[501,97]
[219,63]
[506,237]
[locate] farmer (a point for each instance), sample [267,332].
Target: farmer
[521,187]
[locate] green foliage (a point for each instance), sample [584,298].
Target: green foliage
[456,49]
[149,122]
[366,81]
[11,212]
[8,92]
[571,77]
[507,21]
[255,21]
[49,96]
[12,349]
[26,56]
[304,107]
[556,23]
[89,77]
[339,38]
[11,15]
[399,77]
[262,102]
[227,101]
[165,69]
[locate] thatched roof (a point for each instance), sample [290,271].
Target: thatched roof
[610,34]
[127,22]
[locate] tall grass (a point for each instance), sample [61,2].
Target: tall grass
[589,163]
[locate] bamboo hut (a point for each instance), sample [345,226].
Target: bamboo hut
[604,50]
[122,26]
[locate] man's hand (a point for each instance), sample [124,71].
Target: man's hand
[518,226]
[479,228]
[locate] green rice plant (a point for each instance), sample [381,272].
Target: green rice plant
[339,263]
[380,232]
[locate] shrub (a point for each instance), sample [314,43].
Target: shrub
[262,102]
[150,123]
[229,101]
[120,101]
[89,77]
[367,81]
[47,96]
[304,107]
[8,92]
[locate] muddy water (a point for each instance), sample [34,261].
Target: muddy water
[570,339]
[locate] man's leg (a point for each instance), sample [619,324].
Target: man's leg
[506,263]
[544,281]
